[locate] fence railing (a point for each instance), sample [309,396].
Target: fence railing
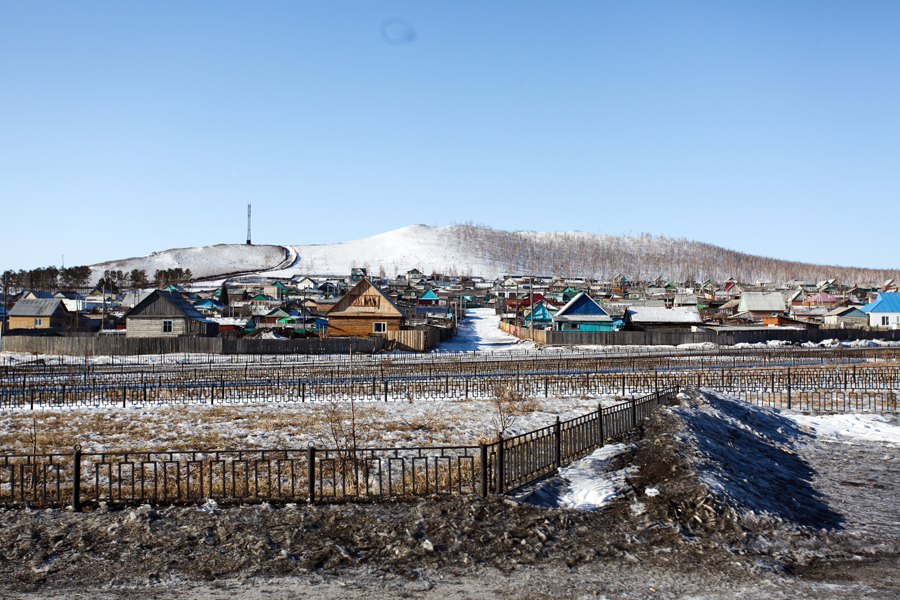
[84,479]
[620,357]
[835,387]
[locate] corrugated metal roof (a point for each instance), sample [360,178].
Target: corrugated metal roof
[33,307]
[842,310]
[762,302]
[886,302]
[653,314]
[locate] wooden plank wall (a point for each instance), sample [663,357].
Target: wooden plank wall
[97,346]
[415,340]
[675,338]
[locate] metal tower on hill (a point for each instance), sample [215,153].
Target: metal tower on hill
[248,224]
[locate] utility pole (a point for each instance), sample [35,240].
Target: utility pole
[531,304]
[5,306]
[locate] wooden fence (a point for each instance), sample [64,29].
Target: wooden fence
[123,346]
[676,338]
[415,340]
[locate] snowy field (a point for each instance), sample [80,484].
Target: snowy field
[203,427]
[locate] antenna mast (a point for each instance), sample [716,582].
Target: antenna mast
[248,224]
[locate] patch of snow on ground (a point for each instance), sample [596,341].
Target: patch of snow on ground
[586,484]
[851,428]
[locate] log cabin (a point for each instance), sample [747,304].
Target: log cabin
[364,310]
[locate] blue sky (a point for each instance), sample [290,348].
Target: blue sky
[131,127]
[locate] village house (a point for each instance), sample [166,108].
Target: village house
[762,304]
[167,314]
[847,316]
[429,298]
[885,310]
[582,313]
[643,318]
[49,314]
[364,310]
[541,316]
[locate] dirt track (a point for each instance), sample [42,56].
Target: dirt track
[683,542]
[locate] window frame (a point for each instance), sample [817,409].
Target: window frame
[375,325]
[39,321]
[171,325]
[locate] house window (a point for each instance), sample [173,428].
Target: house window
[570,325]
[885,320]
[167,326]
[39,322]
[379,327]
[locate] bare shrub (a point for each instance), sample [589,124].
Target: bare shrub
[510,403]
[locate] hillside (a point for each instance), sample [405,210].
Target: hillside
[477,250]
[204,262]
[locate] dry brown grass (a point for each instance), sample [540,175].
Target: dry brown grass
[509,403]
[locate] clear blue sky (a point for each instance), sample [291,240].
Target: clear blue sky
[131,127]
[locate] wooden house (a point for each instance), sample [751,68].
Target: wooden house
[429,298]
[36,295]
[847,316]
[582,313]
[820,299]
[762,304]
[167,314]
[364,310]
[39,313]
[305,283]
[541,316]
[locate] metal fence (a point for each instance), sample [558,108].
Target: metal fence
[85,479]
[863,386]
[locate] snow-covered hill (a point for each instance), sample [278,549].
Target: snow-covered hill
[473,250]
[204,262]
[420,247]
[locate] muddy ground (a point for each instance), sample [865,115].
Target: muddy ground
[836,534]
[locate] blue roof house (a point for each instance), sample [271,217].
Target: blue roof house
[583,314]
[884,311]
[542,315]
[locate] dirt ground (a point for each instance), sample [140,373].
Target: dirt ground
[836,534]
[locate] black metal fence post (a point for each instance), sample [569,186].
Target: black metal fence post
[600,422]
[557,450]
[76,480]
[789,388]
[311,474]
[482,449]
[501,459]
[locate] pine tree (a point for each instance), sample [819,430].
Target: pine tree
[223,295]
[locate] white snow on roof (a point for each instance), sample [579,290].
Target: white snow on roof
[654,314]
[763,302]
